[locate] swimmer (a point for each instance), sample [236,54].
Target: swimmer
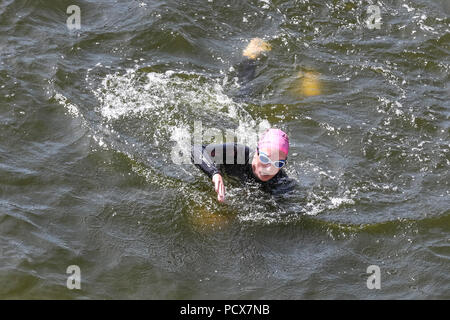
[264,167]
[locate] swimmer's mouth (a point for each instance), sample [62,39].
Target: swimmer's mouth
[266,172]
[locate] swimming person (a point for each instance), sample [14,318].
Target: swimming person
[264,167]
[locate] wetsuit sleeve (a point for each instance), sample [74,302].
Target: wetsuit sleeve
[203,160]
[211,158]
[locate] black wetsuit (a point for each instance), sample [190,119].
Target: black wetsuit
[234,160]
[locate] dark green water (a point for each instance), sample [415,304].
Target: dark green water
[89,117]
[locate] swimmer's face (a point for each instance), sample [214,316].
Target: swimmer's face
[265,172]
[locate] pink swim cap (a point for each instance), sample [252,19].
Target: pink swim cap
[274,139]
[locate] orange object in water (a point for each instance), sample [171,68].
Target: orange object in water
[255,48]
[308,83]
[207,220]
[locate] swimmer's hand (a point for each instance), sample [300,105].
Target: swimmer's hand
[219,187]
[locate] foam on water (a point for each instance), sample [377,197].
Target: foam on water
[137,93]
[72,109]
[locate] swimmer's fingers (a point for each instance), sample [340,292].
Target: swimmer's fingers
[216,179]
[221,193]
[219,187]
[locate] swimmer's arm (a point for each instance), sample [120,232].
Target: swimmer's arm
[207,157]
[202,156]
[203,160]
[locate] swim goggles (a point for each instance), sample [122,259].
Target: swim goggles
[264,158]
